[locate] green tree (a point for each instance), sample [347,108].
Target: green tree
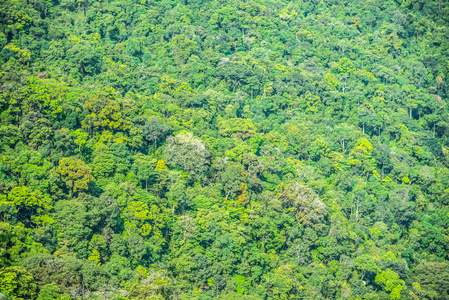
[433,278]
[392,283]
[154,130]
[52,291]
[17,283]
[188,152]
[75,173]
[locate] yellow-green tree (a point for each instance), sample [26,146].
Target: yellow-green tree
[75,173]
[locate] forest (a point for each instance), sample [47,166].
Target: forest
[218,149]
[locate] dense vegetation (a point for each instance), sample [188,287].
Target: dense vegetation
[167,149]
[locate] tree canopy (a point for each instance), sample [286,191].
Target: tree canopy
[209,149]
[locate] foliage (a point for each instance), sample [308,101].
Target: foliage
[224,150]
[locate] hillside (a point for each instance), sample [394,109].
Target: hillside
[167,149]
